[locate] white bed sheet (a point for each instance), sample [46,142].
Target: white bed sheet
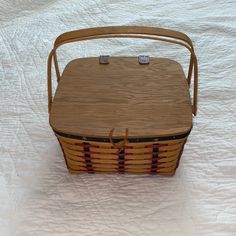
[37,194]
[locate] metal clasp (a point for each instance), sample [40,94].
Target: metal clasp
[104,59]
[143,60]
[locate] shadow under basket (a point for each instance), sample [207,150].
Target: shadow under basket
[122,114]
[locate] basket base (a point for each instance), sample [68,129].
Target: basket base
[76,172]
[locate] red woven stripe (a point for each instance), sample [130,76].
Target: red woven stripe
[145,153]
[145,169]
[147,165]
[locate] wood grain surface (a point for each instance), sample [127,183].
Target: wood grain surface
[149,100]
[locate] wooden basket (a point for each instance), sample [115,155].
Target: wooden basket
[122,114]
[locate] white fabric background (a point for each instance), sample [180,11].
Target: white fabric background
[37,194]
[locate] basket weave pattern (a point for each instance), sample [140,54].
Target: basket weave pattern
[145,157]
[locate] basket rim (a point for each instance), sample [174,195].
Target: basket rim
[130,139]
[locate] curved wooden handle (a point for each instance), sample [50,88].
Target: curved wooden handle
[153,33]
[119,30]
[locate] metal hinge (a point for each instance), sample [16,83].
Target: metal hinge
[104,59]
[143,60]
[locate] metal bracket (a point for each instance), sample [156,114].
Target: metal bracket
[143,60]
[104,59]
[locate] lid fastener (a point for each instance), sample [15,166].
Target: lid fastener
[143,59]
[104,59]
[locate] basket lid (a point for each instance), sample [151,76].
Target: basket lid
[150,100]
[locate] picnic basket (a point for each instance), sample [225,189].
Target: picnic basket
[123,114]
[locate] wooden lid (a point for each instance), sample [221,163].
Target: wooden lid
[150,100]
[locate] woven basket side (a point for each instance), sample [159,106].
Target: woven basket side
[146,157]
